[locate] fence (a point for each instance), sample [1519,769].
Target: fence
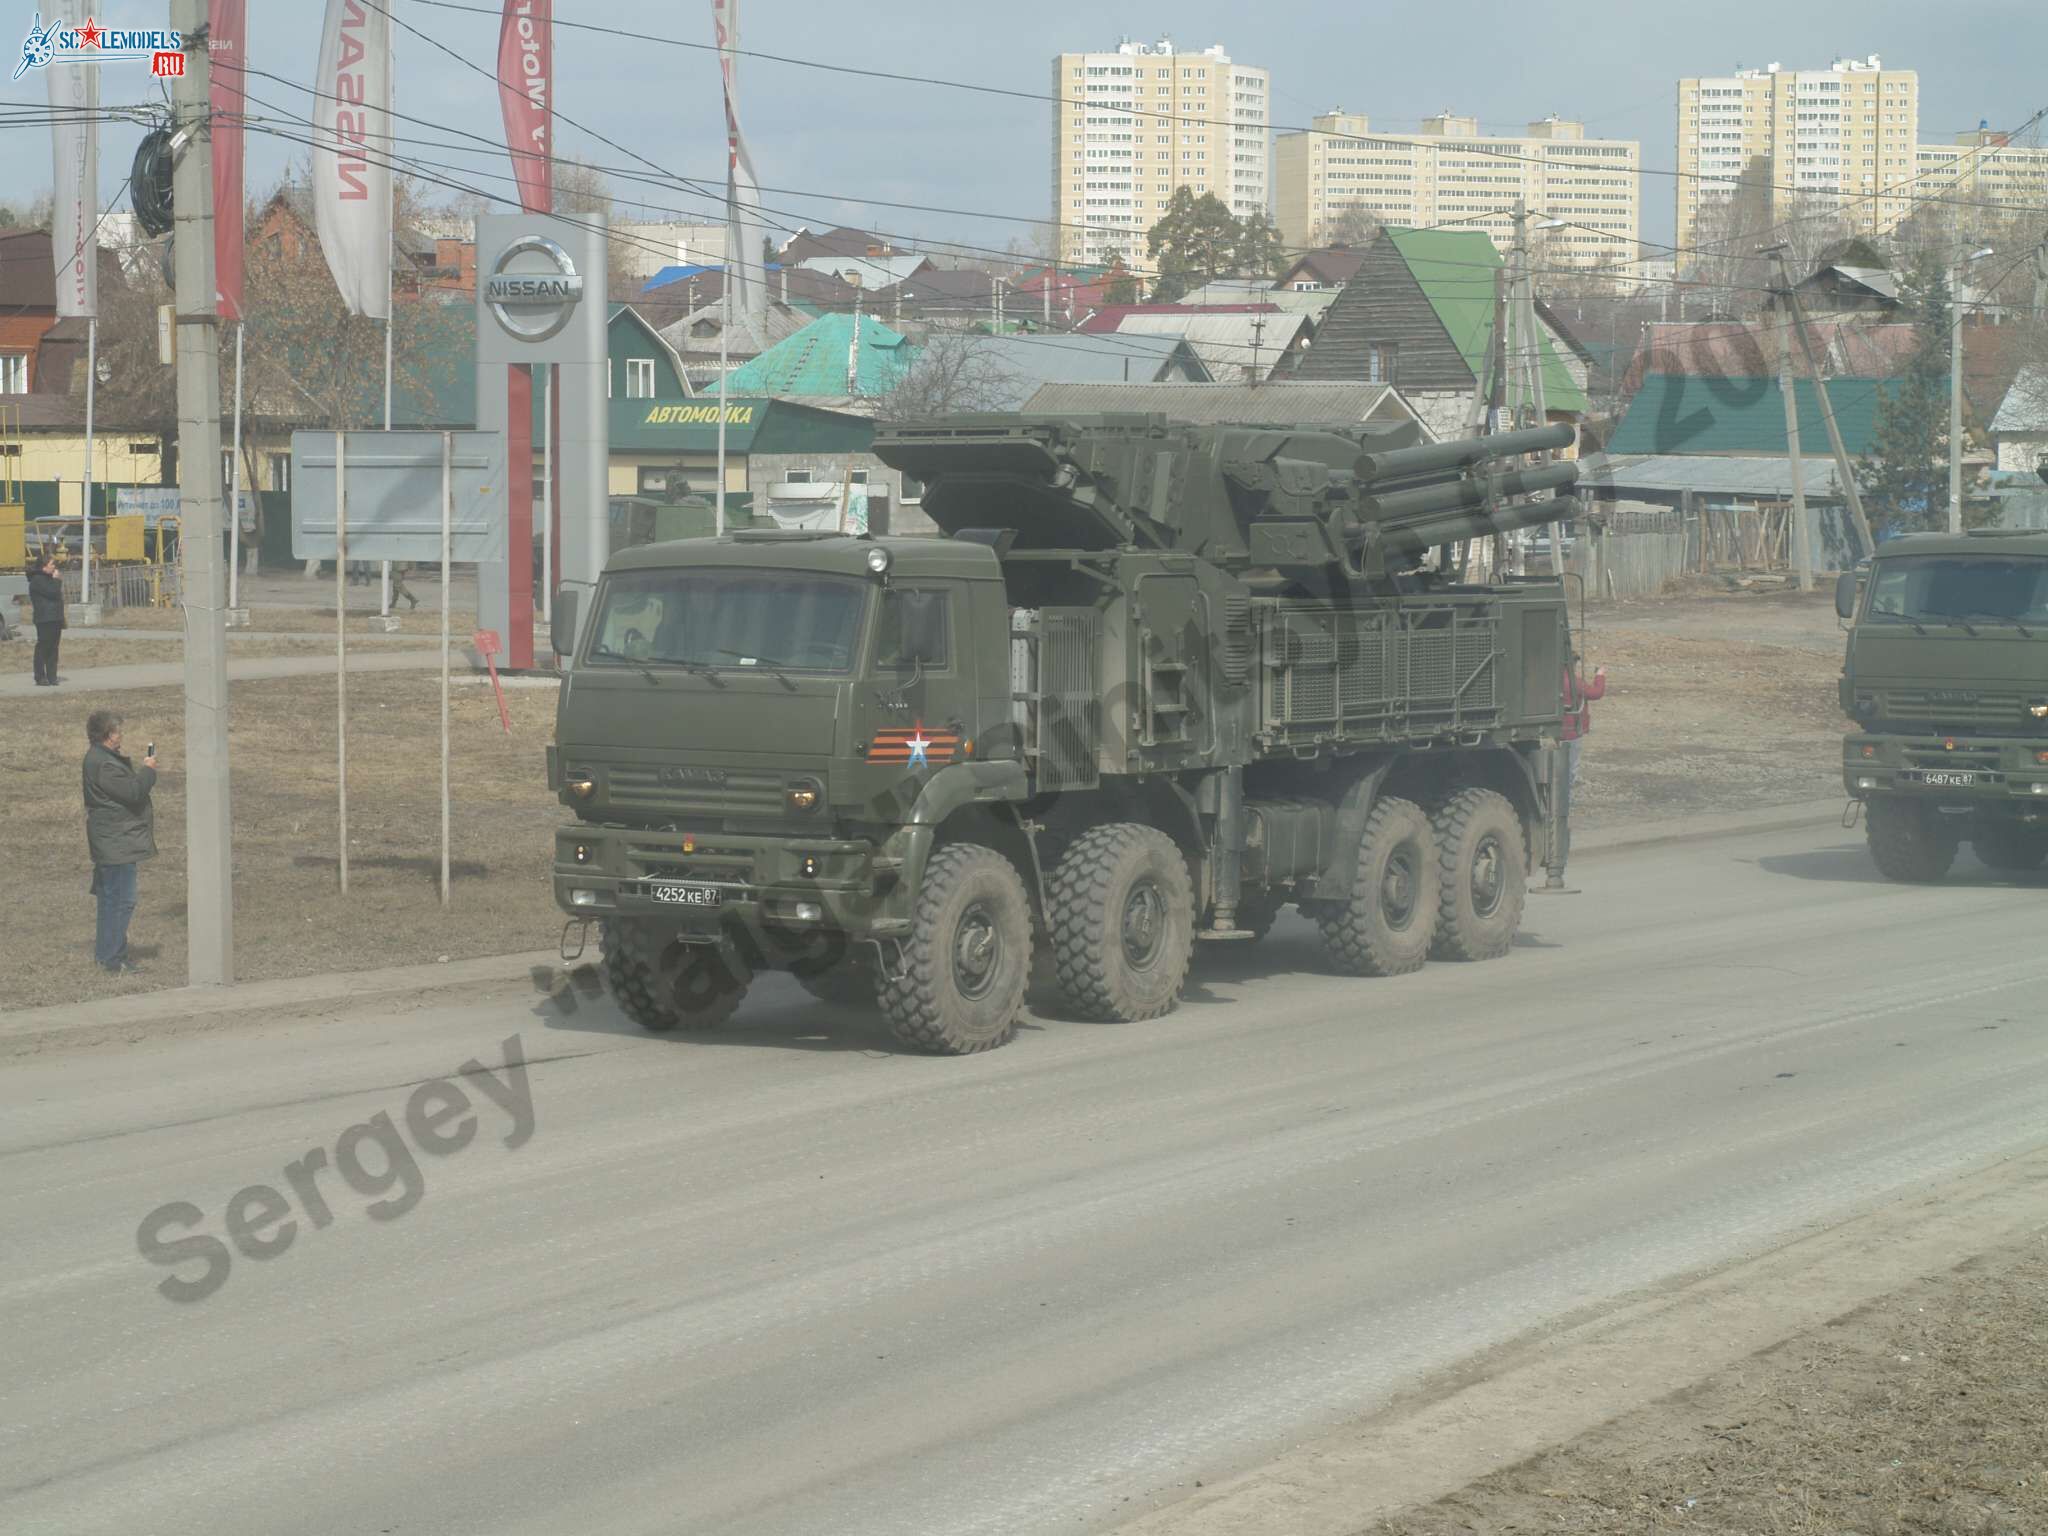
[1632,555]
[126,586]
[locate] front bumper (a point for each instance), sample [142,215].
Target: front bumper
[1949,770]
[852,886]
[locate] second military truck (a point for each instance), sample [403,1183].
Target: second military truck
[1155,683]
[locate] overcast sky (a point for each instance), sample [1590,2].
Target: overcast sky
[828,142]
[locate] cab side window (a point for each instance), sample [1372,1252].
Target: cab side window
[913,630]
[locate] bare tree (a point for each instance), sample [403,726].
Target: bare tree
[1354,225]
[955,372]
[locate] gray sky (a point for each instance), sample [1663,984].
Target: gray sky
[834,140]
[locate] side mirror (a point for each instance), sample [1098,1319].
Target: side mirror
[562,625]
[1845,595]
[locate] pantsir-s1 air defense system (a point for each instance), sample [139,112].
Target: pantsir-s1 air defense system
[1155,683]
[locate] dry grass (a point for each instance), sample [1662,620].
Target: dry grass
[83,649]
[1923,1414]
[290,917]
[290,618]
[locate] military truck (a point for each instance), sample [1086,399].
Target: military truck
[1946,678]
[1155,683]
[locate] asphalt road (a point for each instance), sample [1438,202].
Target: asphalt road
[783,1280]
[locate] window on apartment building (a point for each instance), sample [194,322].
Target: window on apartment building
[13,373]
[639,378]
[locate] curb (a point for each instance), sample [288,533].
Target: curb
[137,1017]
[1700,829]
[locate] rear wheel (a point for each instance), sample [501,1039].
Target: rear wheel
[1384,928]
[1122,911]
[1910,841]
[1481,878]
[661,984]
[968,956]
[2012,847]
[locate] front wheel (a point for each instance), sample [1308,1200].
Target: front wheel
[1122,911]
[661,984]
[961,982]
[1910,841]
[2013,848]
[1482,880]
[1385,926]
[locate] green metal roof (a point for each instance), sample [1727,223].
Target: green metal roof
[1700,413]
[813,361]
[1454,268]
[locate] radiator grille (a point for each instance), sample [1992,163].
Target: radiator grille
[741,792]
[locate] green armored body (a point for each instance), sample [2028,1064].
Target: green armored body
[1155,683]
[1946,677]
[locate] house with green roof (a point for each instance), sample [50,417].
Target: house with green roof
[835,356]
[1744,415]
[1418,314]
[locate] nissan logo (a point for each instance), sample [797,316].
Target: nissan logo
[533,303]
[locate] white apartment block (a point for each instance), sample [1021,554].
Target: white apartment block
[1984,168]
[1845,137]
[1451,173]
[1132,126]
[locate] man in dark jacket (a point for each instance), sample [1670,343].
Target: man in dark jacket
[46,605]
[120,830]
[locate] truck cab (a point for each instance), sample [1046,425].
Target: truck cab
[1945,677]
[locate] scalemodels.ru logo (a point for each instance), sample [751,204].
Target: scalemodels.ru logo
[91,43]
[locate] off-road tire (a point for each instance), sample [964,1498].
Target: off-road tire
[1910,842]
[927,1007]
[850,984]
[630,976]
[660,990]
[2016,849]
[1370,933]
[1482,880]
[1122,913]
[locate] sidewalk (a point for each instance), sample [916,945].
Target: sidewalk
[171,674]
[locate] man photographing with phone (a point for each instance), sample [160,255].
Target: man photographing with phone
[120,832]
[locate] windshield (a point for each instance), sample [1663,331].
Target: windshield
[729,619]
[1940,589]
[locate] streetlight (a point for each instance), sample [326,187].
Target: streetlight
[1955,386]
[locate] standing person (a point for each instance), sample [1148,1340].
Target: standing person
[46,605]
[120,831]
[1578,723]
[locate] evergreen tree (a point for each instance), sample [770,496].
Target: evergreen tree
[1905,475]
[1122,287]
[1195,240]
[1260,250]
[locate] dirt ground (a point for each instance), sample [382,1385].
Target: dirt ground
[290,917]
[82,649]
[1923,1414]
[1714,703]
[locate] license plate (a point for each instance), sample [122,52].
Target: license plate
[1941,778]
[677,894]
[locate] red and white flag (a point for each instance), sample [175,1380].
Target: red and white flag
[228,40]
[352,153]
[75,213]
[526,92]
[745,278]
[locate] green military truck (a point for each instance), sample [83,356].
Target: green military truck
[1155,683]
[1946,677]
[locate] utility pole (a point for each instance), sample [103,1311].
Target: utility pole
[1529,356]
[1955,382]
[209,861]
[1850,494]
[1802,548]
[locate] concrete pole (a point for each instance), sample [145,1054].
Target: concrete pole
[447,579]
[1955,391]
[341,653]
[724,325]
[1843,468]
[1802,548]
[235,488]
[547,494]
[92,368]
[209,824]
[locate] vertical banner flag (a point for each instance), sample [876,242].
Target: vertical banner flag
[526,69]
[745,277]
[75,216]
[352,153]
[228,38]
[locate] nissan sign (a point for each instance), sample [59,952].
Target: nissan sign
[534,289]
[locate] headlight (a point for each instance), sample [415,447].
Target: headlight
[879,561]
[580,782]
[804,795]
[2038,711]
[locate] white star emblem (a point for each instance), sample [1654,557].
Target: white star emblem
[917,744]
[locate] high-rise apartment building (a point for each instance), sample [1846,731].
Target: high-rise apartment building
[1798,140]
[1452,173]
[1132,126]
[1983,171]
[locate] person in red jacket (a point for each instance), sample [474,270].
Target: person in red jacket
[1579,694]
